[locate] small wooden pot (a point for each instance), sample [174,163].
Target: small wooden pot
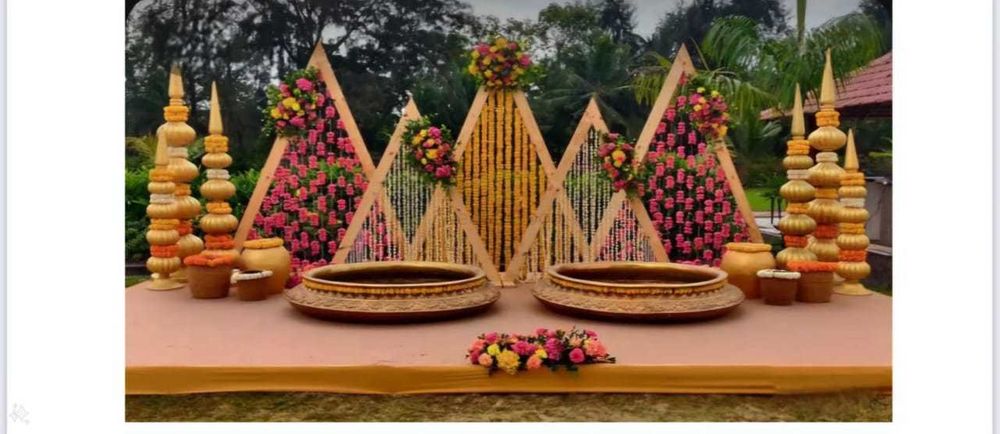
[252,285]
[815,287]
[209,282]
[779,292]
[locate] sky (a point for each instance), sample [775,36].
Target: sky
[649,12]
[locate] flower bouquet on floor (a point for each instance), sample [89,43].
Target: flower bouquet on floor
[550,348]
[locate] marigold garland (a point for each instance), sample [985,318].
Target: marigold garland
[796,241]
[205,259]
[166,251]
[501,63]
[811,266]
[826,231]
[853,255]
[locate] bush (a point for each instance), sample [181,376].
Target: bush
[137,197]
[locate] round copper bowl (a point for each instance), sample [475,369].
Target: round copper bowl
[638,291]
[393,291]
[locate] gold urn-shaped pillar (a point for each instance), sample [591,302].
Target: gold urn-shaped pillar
[852,240]
[825,175]
[219,223]
[179,135]
[162,234]
[796,224]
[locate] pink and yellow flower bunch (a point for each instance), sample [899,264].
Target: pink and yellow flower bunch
[617,159]
[501,63]
[294,103]
[550,348]
[705,107]
[432,150]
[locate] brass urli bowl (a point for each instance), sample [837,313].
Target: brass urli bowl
[638,291]
[401,291]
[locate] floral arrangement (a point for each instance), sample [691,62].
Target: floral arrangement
[294,103]
[811,266]
[687,194]
[501,63]
[617,159]
[319,181]
[431,150]
[550,348]
[205,259]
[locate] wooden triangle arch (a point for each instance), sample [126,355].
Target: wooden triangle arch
[319,61]
[682,65]
[556,191]
[523,109]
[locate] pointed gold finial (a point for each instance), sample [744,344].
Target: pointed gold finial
[828,93]
[176,88]
[851,154]
[161,159]
[798,118]
[214,113]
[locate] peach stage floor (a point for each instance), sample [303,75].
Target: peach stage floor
[177,344]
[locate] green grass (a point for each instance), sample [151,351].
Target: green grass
[132,280]
[286,407]
[758,199]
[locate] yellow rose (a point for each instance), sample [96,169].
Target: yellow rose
[701,90]
[487,61]
[715,93]
[508,361]
[475,54]
[472,69]
[288,102]
[275,113]
[432,154]
[541,353]
[501,42]
[493,349]
[723,130]
[423,132]
[697,107]
[415,140]
[487,73]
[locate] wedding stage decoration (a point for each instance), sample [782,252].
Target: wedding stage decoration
[179,136]
[638,291]
[392,291]
[316,172]
[797,192]
[825,175]
[162,233]
[219,223]
[852,240]
[549,348]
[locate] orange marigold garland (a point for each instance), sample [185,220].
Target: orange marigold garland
[812,266]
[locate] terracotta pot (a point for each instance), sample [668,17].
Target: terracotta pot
[268,254]
[249,287]
[815,287]
[742,261]
[779,292]
[209,282]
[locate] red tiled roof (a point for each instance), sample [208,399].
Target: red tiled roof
[869,86]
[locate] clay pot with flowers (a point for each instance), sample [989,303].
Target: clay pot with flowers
[816,282]
[209,274]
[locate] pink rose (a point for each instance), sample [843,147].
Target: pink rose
[304,85]
[491,337]
[577,356]
[298,122]
[485,360]
[534,362]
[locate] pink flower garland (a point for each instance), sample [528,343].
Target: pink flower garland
[551,348]
[316,188]
[687,195]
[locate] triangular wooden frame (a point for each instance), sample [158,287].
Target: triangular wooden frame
[319,61]
[682,65]
[556,190]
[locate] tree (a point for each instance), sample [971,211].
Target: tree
[689,23]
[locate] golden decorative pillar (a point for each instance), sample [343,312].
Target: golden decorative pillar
[162,234]
[179,135]
[796,224]
[219,224]
[825,175]
[852,240]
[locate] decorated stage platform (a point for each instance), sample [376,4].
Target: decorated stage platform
[176,344]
